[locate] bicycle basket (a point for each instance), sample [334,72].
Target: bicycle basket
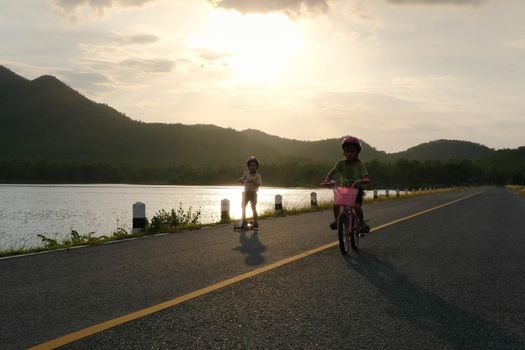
[345,195]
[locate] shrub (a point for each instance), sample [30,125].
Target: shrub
[164,221]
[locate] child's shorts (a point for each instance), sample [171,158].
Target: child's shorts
[249,196]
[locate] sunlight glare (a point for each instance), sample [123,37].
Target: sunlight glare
[256,48]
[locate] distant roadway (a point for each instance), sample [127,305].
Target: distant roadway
[450,277]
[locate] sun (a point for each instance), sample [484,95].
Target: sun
[256,48]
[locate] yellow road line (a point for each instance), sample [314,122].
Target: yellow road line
[97,328]
[422,212]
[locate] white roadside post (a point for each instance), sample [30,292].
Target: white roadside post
[313,199]
[278,203]
[225,210]
[139,217]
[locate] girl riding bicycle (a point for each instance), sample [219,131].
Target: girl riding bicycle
[351,169]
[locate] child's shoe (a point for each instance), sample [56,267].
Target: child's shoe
[244,225]
[333,225]
[255,224]
[365,228]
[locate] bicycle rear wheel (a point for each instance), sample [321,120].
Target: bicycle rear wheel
[344,231]
[354,236]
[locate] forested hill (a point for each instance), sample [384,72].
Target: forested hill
[44,119]
[51,133]
[444,150]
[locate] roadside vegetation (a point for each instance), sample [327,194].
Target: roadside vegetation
[178,220]
[519,189]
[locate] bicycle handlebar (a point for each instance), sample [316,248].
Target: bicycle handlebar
[332,183]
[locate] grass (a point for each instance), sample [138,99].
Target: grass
[175,221]
[519,189]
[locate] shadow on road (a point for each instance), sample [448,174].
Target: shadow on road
[428,311]
[252,247]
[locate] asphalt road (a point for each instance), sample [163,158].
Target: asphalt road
[452,278]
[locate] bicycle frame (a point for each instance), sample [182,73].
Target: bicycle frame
[348,223]
[348,227]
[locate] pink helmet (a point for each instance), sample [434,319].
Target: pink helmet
[351,140]
[252,159]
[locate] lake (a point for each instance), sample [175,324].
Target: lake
[55,210]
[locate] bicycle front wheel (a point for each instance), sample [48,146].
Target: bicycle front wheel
[354,236]
[343,231]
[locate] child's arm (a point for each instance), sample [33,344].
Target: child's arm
[242,179]
[258,181]
[330,174]
[365,180]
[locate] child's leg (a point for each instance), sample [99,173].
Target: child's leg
[254,210]
[336,212]
[359,203]
[335,209]
[359,211]
[243,205]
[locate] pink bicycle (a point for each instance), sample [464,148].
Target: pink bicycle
[348,223]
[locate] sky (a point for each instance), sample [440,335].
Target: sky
[395,73]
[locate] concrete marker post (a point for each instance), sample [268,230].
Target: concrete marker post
[139,217]
[313,199]
[278,203]
[225,210]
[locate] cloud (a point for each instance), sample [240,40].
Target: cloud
[137,39]
[211,55]
[437,2]
[410,83]
[141,39]
[292,8]
[149,65]
[425,128]
[516,44]
[87,82]
[509,124]
[70,7]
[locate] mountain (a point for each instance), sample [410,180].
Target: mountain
[509,162]
[45,119]
[318,150]
[444,150]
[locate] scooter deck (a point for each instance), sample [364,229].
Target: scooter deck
[248,227]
